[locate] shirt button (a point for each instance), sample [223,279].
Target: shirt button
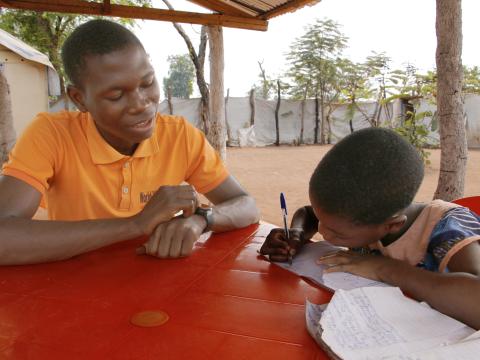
[126,165]
[125,189]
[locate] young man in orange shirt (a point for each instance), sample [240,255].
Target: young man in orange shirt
[112,171]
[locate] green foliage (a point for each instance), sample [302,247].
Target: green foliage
[471,80]
[312,60]
[180,76]
[47,31]
[416,132]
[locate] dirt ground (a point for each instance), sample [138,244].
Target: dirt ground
[265,172]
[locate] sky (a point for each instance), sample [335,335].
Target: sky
[404,30]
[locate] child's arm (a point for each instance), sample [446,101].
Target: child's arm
[303,227]
[456,294]
[305,220]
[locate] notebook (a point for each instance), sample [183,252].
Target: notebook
[304,264]
[381,323]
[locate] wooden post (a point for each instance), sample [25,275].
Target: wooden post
[279,99]
[252,107]
[453,141]
[7,131]
[217,133]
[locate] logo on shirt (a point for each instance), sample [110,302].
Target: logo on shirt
[146,196]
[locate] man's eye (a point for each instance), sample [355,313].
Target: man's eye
[149,83]
[114,97]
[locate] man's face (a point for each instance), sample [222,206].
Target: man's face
[121,93]
[341,231]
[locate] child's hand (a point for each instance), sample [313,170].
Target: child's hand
[368,266]
[277,246]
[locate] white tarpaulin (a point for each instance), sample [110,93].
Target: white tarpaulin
[238,114]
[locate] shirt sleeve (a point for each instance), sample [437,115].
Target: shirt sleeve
[205,167]
[34,155]
[457,228]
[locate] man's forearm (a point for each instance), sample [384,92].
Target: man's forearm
[455,294]
[235,213]
[25,241]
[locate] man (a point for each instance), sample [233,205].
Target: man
[112,171]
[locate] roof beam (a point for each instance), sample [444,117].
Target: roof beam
[135,12]
[288,7]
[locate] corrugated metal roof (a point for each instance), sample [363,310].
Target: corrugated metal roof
[243,14]
[263,9]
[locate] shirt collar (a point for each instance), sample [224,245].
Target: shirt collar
[103,153]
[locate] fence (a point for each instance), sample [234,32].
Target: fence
[238,115]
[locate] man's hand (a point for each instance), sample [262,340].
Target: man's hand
[163,206]
[176,237]
[368,266]
[278,247]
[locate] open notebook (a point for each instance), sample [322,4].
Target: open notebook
[381,323]
[304,264]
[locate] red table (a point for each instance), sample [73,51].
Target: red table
[223,302]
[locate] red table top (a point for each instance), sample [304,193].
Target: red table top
[223,302]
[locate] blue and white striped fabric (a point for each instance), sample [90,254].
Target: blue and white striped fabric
[455,226]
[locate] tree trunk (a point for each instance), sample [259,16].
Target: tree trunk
[252,107]
[169,99]
[315,136]
[277,109]
[217,133]
[322,118]
[302,120]
[198,62]
[453,142]
[329,125]
[7,131]
[229,133]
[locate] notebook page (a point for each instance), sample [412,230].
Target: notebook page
[304,264]
[378,322]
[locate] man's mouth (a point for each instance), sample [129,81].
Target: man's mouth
[143,124]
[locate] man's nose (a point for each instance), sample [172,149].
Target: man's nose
[138,102]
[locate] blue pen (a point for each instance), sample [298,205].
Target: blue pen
[283,205]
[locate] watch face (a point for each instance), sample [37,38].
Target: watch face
[207,213]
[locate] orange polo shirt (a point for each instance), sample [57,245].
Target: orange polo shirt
[81,176]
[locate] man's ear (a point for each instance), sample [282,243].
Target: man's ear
[76,95]
[395,223]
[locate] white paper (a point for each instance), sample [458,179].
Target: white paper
[381,323]
[313,313]
[304,264]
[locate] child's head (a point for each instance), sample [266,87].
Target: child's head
[112,79]
[361,186]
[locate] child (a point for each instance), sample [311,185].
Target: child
[103,171]
[361,197]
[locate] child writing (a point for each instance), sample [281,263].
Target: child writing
[113,170]
[361,197]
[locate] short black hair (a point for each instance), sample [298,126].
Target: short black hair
[368,176]
[95,37]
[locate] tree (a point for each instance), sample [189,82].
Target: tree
[198,59]
[180,76]
[47,31]
[313,70]
[353,86]
[7,132]
[267,85]
[453,141]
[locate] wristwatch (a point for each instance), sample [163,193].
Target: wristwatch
[207,214]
